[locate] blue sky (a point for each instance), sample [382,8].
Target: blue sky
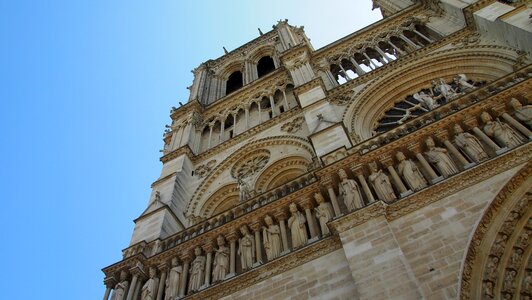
[86,92]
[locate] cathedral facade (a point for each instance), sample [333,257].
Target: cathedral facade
[390,164]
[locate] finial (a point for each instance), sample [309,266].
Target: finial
[225,50]
[260,31]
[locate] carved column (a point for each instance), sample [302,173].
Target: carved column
[247,117]
[208,248]
[256,226]
[401,52]
[311,221]
[517,125]
[110,282]
[370,61]
[285,100]
[133,288]
[409,41]
[334,200]
[365,187]
[386,57]
[395,177]
[358,68]
[232,237]
[423,36]
[186,258]
[424,163]
[163,268]
[281,217]
[472,123]
[272,104]
[343,71]
[222,129]
[210,136]
[443,136]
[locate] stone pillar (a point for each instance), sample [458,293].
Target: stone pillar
[160,289]
[256,226]
[396,48]
[285,101]
[358,68]
[232,237]
[222,129]
[370,61]
[110,282]
[311,220]
[343,71]
[334,200]
[409,41]
[272,104]
[486,139]
[365,187]
[386,57]
[137,290]
[281,217]
[403,191]
[442,135]
[133,286]
[210,136]
[422,35]
[208,248]
[434,178]
[186,258]
[247,117]
[510,120]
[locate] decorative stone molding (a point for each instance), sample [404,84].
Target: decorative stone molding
[294,125]
[504,222]
[205,169]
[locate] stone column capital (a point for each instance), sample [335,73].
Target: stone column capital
[186,255]
[232,236]
[208,246]
[163,267]
[110,281]
[442,134]
[306,203]
[415,147]
[470,121]
[498,108]
[358,169]
[280,214]
[138,270]
[256,225]
[386,161]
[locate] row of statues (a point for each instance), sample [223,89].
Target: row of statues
[271,240]
[440,89]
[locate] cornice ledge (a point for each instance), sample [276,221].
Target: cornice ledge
[358,217]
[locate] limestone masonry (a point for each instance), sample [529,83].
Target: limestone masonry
[393,163]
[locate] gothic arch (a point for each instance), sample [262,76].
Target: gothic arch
[221,200]
[482,63]
[281,171]
[499,254]
[221,174]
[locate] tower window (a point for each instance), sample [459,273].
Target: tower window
[234,82]
[265,66]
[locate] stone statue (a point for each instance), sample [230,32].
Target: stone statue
[445,90]
[271,237]
[246,248]
[461,81]
[410,172]
[296,223]
[491,267]
[500,243]
[427,100]
[324,213]
[501,132]
[469,144]
[488,289]
[522,113]
[381,183]
[244,189]
[150,287]
[350,191]
[509,283]
[527,282]
[172,281]
[517,255]
[197,271]
[440,159]
[120,290]
[221,260]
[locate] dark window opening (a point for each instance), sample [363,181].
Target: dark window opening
[234,82]
[270,114]
[228,122]
[281,109]
[230,134]
[265,66]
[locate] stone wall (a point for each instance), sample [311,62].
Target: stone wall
[327,277]
[418,255]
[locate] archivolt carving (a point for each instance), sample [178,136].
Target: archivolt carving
[479,62]
[294,125]
[496,262]
[284,169]
[200,196]
[222,199]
